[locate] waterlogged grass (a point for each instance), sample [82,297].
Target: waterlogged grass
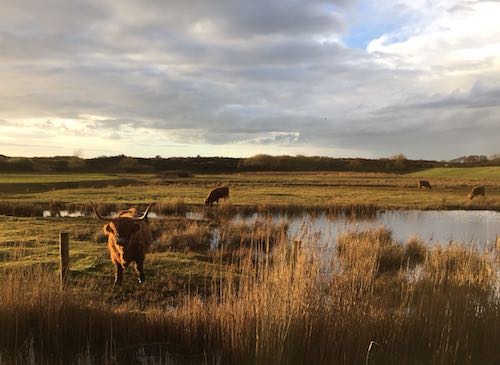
[295,304]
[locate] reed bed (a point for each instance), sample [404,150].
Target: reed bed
[178,207]
[182,235]
[226,210]
[245,235]
[420,305]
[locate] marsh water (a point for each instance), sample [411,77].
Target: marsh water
[479,228]
[474,227]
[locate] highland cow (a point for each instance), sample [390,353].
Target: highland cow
[221,192]
[129,237]
[424,184]
[476,191]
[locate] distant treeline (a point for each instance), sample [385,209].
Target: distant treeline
[158,164]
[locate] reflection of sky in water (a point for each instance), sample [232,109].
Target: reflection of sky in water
[468,226]
[472,227]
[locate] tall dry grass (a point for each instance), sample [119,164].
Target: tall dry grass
[421,305]
[181,235]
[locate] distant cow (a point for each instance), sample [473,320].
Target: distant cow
[221,192]
[129,237]
[476,191]
[424,184]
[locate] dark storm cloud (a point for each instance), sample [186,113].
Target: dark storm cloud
[477,97]
[238,18]
[437,126]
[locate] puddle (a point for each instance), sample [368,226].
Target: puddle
[65,213]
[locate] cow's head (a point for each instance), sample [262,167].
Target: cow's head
[206,201]
[121,228]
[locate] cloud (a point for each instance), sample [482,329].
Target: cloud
[231,19]
[252,75]
[452,37]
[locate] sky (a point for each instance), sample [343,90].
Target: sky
[235,78]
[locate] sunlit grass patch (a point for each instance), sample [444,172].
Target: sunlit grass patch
[475,173]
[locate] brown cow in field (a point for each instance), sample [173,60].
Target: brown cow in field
[129,237]
[424,184]
[221,192]
[476,191]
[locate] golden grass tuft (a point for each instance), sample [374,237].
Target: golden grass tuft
[175,206]
[183,236]
[245,235]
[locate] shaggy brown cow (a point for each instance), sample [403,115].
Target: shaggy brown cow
[221,192]
[424,184]
[476,191]
[129,237]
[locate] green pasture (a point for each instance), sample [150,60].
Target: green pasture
[386,191]
[470,173]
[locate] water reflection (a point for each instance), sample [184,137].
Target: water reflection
[472,227]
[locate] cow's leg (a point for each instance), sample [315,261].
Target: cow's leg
[118,274]
[139,266]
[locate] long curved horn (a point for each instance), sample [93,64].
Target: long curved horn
[97,213]
[144,216]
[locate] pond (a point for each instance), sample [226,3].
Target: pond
[479,228]
[474,227]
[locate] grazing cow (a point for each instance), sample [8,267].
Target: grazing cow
[221,192]
[476,191]
[424,184]
[129,237]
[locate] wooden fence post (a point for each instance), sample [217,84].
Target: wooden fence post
[64,255]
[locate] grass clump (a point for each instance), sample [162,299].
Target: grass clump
[174,206]
[460,265]
[245,235]
[415,251]
[184,235]
[375,252]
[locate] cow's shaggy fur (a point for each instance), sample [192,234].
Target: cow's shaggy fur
[129,238]
[476,191]
[221,192]
[424,184]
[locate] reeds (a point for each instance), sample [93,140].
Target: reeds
[178,207]
[234,235]
[184,236]
[420,304]
[175,206]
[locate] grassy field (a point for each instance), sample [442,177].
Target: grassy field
[257,298]
[469,173]
[384,191]
[27,178]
